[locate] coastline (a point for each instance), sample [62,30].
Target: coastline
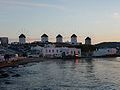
[18,61]
[23,60]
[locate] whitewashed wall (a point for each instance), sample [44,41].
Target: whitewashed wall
[59,39]
[22,40]
[44,39]
[106,51]
[74,40]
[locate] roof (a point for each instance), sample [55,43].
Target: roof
[58,36]
[22,36]
[44,35]
[88,38]
[73,35]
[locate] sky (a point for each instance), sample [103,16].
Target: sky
[98,19]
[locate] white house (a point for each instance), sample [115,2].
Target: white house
[44,38]
[59,39]
[105,52]
[59,51]
[22,39]
[36,51]
[37,48]
[88,41]
[52,52]
[74,39]
[4,41]
[71,51]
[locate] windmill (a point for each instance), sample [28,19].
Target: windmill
[25,32]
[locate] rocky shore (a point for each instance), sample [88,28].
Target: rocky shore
[18,61]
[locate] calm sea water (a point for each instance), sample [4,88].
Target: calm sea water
[82,74]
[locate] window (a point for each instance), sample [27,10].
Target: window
[49,50]
[57,51]
[74,52]
[71,52]
[53,51]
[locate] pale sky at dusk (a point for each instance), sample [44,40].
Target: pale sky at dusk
[98,19]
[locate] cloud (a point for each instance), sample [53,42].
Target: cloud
[116,15]
[31,4]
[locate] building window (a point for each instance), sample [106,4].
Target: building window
[71,52]
[53,51]
[57,51]
[74,52]
[49,50]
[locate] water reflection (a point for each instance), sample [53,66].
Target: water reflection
[79,74]
[89,66]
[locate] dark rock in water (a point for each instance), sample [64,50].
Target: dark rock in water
[16,75]
[27,89]
[14,66]
[7,82]
[4,75]
[10,71]
[46,88]
[2,71]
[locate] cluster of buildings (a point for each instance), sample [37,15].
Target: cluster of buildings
[58,49]
[54,52]
[69,52]
[50,50]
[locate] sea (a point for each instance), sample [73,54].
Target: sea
[58,74]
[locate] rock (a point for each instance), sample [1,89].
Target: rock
[7,82]
[4,75]
[16,75]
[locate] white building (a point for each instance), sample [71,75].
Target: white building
[22,39]
[88,41]
[36,51]
[55,52]
[52,52]
[59,51]
[74,39]
[71,51]
[105,52]
[37,48]
[59,39]
[44,38]
[4,41]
